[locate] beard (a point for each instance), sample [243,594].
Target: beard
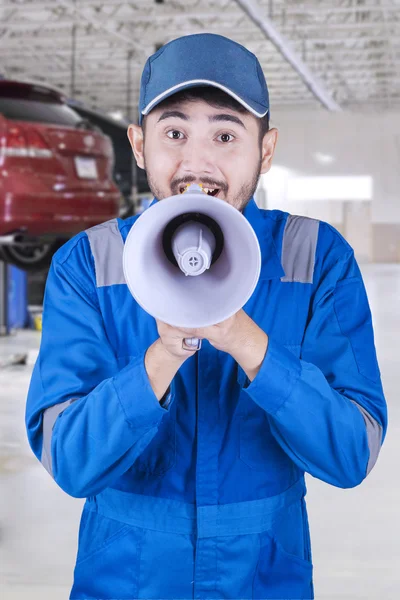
[239,200]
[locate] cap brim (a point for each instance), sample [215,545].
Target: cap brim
[255,108]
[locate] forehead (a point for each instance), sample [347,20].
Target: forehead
[197,109]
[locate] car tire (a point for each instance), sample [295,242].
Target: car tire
[31,258]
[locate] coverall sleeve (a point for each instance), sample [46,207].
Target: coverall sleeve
[86,419]
[327,408]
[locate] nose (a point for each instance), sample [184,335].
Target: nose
[197,158]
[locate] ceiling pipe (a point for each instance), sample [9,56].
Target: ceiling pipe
[102,25]
[282,45]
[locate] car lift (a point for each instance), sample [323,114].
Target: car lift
[12,359]
[4,329]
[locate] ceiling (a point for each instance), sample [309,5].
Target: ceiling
[336,55]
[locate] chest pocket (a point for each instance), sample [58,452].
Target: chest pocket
[159,456]
[258,448]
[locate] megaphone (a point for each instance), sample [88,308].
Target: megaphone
[191,260]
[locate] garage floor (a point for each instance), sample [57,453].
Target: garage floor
[355,533]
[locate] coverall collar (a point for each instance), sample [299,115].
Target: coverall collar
[271,266]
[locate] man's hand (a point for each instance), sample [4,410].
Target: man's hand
[225,336]
[171,340]
[240,337]
[228,335]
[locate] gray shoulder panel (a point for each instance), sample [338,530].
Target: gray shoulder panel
[374,435]
[298,248]
[50,416]
[107,248]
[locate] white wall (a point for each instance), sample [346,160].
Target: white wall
[363,147]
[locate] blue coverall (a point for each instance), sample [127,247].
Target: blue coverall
[202,495]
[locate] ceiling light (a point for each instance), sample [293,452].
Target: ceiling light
[117,115]
[324,159]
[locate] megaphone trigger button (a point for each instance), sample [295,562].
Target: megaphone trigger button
[191,344]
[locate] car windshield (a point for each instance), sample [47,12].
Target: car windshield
[22,109]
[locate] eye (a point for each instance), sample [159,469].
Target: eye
[174,134]
[225,138]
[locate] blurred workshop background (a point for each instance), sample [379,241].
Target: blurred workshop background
[69,83]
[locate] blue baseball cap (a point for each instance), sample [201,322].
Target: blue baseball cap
[204,59]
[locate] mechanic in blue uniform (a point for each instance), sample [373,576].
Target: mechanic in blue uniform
[192,462]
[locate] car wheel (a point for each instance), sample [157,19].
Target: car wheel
[32,257]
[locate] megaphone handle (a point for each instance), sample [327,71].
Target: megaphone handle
[191,344]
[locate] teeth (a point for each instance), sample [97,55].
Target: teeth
[205,189]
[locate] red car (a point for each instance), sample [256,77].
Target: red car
[55,174]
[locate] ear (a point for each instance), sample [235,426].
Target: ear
[268,149]
[135,136]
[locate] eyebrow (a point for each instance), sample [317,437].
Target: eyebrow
[173,113]
[212,119]
[226,117]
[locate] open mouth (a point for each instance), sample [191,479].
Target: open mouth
[209,191]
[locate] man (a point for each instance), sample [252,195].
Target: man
[193,462]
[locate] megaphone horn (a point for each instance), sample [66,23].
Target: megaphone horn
[191,260]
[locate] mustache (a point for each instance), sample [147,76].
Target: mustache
[206,181]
